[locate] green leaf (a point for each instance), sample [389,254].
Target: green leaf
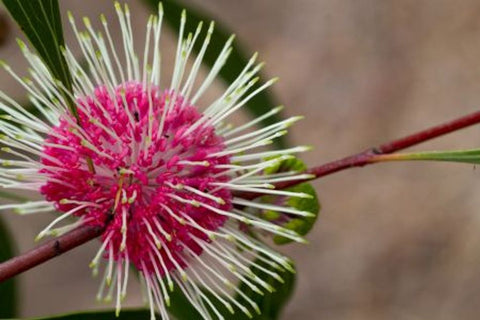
[41,22]
[465,156]
[271,303]
[291,164]
[310,203]
[262,102]
[8,289]
[101,315]
[180,307]
[301,225]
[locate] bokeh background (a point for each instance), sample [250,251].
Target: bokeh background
[394,241]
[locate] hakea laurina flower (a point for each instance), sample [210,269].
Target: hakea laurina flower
[162,174]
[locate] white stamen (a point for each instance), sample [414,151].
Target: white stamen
[266,206]
[45,231]
[267,154]
[95,260]
[149,293]
[125,277]
[166,296]
[253,122]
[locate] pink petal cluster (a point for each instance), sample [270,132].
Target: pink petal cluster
[144,172]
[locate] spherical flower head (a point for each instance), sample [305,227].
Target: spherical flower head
[168,180]
[154,175]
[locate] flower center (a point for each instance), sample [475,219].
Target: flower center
[158,173]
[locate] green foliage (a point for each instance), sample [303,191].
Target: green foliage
[180,307]
[300,224]
[271,303]
[40,21]
[101,315]
[8,291]
[291,164]
[262,102]
[465,156]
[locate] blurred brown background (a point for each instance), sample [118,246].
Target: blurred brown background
[394,241]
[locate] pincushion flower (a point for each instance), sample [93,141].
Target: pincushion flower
[167,178]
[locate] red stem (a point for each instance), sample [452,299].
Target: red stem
[367,157]
[84,234]
[47,251]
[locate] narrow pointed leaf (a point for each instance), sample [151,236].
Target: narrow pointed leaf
[101,315]
[8,289]
[465,156]
[262,102]
[40,21]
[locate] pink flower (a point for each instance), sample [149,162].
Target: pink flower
[162,174]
